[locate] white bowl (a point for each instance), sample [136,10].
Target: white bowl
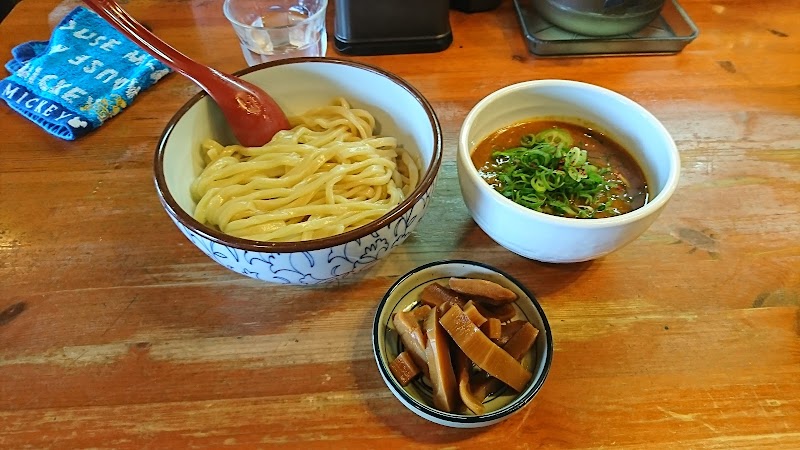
[404,295]
[298,85]
[554,239]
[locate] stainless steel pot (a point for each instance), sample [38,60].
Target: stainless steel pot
[599,17]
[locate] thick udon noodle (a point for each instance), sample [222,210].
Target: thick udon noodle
[327,175]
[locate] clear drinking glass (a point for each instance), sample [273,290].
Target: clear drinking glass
[278,29]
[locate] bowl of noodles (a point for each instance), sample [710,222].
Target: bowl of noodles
[345,185]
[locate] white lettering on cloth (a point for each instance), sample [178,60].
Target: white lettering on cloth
[97,41]
[43,82]
[73,94]
[28,76]
[9,92]
[110,74]
[58,48]
[84,33]
[24,71]
[69,26]
[110,44]
[135,57]
[60,84]
[44,107]
[51,108]
[158,74]
[119,83]
[94,65]
[132,90]
[65,89]
[41,104]
[78,59]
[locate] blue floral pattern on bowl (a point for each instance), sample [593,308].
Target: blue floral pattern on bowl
[316,266]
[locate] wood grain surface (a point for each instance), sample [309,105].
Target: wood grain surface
[116,332]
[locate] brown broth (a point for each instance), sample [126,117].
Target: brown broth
[602,151]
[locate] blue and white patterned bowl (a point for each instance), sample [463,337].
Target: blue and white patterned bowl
[298,85]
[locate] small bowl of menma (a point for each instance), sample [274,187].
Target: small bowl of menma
[562,171]
[462,344]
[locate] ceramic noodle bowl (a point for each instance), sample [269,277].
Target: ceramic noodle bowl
[299,85]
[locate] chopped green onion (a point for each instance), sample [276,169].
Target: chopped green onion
[547,173]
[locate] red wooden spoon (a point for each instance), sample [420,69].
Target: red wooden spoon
[251,113]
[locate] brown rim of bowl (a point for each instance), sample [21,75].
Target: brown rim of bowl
[219,237]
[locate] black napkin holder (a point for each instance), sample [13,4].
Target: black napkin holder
[381,27]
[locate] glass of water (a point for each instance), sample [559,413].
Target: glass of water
[278,29]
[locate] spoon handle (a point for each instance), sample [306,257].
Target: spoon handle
[253,115]
[136,32]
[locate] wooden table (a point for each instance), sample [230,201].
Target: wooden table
[116,332]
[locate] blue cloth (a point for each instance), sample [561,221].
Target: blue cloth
[85,74]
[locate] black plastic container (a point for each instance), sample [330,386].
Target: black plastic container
[379,27]
[471,6]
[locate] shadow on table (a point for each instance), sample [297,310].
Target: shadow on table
[394,415]
[542,279]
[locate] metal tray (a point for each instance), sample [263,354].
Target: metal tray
[667,34]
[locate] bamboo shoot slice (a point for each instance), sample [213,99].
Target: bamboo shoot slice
[503,313]
[412,337]
[441,373]
[508,330]
[485,289]
[474,315]
[421,313]
[482,351]
[435,294]
[404,369]
[484,385]
[522,341]
[491,328]
[462,366]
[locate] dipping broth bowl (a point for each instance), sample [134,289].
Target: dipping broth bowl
[549,238]
[404,295]
[298,85]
